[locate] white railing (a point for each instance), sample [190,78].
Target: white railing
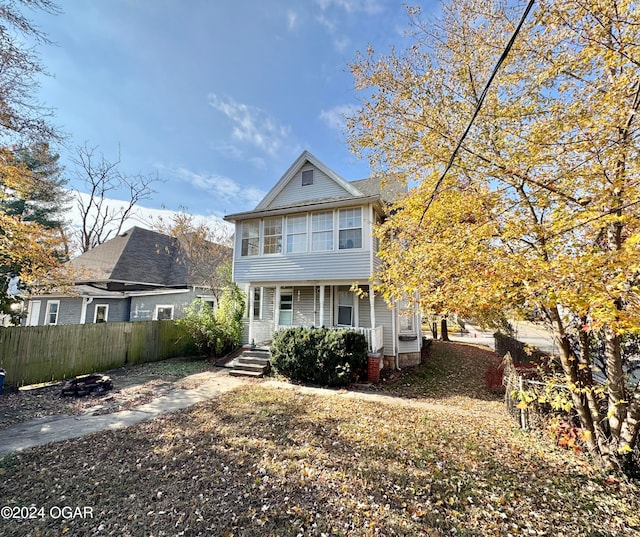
[374,336]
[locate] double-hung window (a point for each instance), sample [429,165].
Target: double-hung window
[272,235]
[296,234]
[322,231]
[53,308]
[345,308]
[286,308]
[350,228]
[250,238]
[406,317]
[163,313]
[257,302]
[101,313]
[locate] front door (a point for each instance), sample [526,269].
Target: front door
[286,308]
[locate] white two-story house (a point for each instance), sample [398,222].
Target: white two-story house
[301,250]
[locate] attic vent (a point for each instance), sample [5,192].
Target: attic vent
[307,177]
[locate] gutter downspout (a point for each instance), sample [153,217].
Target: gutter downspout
[86,300]
[395,338]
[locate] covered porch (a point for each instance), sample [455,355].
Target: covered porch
[333,305]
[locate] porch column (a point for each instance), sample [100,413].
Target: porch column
[322,305]
[372,308]
[356,310]
[251,304]
[276,306]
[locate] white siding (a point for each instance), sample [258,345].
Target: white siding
[303,306]
[384,318]
[343,264]
[323,187]
[364,311]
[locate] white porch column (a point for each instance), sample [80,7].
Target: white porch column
[276,306]
[322,305]
[356,310]
[372,308]
[251,304]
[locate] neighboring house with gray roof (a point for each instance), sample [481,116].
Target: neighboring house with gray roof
[299,252]
[140,275]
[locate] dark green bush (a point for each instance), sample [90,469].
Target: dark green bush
[319,355]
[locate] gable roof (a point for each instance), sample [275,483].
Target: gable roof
[294,169]
[136,256]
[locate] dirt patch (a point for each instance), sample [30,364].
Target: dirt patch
[132,386]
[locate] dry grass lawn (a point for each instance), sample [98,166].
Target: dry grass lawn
[265,461]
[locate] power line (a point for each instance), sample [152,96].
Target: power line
[496,68]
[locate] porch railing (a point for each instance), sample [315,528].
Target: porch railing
[373,336]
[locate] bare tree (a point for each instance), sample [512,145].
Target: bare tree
[23,119]
[101,220]
[206,249]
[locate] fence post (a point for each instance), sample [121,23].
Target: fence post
[524,422]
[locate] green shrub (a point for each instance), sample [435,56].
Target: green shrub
[215,333]
[319,355]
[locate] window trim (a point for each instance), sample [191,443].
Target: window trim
[288,234]
[360,227]
[285,292]
[245,226]
[258,300]
[351,306]
[405,306]
[48,314]
[308,172]
[106,313]
[264,235]
[158,307]
[331,231]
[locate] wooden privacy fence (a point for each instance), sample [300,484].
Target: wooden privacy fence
[33,354]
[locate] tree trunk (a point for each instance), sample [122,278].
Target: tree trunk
[596,440]
[615,377]
[443,329]
[434,329]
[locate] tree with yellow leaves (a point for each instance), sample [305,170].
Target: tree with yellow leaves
[28,249]
[540,207]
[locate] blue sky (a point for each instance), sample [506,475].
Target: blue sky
[218,96]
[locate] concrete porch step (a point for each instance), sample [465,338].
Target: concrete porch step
[251,363]
[262,368]
[242,373]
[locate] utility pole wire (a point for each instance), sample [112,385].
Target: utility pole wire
[496,68]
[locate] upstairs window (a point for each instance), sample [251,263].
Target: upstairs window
[322,231]
[296,234]
[307,177]
[350,229]
[250,238]
[272,235]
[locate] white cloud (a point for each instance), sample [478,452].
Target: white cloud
[336,117]
[219,187]
[140,216]
[332,11]
[253,125]
[370,7]
[292,19]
